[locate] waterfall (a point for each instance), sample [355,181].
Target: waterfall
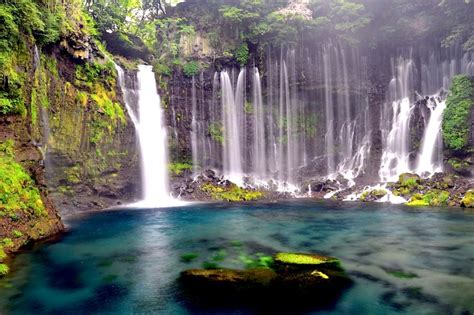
[429,161]
[36,58]
[259,150]
[232,121]
[152,137]
[306,115]
[153,140]
[329,106]
[436,73]
[347,139]
[396,156]
[196,152]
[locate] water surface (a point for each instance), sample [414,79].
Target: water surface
[403,260]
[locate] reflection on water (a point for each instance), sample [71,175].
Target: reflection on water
[410,261]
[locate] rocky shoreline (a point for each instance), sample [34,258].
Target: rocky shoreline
[442,189]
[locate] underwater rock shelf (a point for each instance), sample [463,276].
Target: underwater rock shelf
[306,279]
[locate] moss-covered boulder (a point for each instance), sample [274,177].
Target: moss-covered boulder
[468,200]
[372,195]
[409,180]
[305,279]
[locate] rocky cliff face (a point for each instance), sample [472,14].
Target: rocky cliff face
[73,138]
[21,225]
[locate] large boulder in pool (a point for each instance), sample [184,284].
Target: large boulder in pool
[296,279]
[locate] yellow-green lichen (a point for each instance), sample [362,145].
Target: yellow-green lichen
[232,193]
[304,259]
[468,200]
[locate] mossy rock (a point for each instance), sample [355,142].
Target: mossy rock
[468,200]
[263,286]
[409,180]
[372,195]
[299,280]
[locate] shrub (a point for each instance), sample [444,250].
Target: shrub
[7,242]
[242,54]
[4,270]
[456,116]
[216,132]
[191,69]
[178,168]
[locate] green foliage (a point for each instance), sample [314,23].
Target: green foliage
[468,199]
[236,15]
[191,69]
[73,174]
[92,72]
[459,105]
[17,190]
[162,69]
[2,253]
[433,198]
[7,242]
[242,54]
[232,193]
[216,131]
[178,168]
[4,270]
[17,234]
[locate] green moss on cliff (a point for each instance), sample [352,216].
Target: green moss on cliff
[178,168]
[456,116]
[17,190]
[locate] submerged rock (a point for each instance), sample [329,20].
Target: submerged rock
[306,279]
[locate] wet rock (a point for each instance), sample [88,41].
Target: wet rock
[373,195]
[322,185]
[406,179]
[210,174]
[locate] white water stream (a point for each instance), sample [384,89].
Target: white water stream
[152,137]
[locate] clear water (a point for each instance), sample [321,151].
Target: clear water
[127,261]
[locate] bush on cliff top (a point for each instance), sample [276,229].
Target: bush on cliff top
[456,116]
